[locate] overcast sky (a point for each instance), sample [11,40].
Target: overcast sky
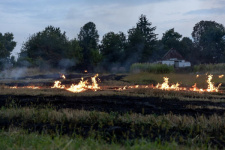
[26,17]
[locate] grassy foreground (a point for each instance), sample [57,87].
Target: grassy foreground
[48,128]
[20,139]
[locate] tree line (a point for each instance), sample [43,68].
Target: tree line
[52,48]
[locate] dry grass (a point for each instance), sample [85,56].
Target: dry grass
[183,79]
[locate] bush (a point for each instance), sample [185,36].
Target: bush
[151,68]
[210,68]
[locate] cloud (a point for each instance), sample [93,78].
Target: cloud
[25,17]
[211,11]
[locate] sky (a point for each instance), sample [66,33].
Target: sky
[23,18]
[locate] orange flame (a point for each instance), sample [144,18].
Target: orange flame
[25,87]
[211,87]
[81,86]
[165,85]
[221,76]
[94,85]
[84,85]
[62,75]
[57,84]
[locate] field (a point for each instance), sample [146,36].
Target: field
[111,118]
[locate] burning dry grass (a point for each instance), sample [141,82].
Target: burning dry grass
[185,80]
[84,85]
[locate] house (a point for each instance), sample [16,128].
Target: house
[173,58]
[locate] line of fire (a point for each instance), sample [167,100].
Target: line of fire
[84,85]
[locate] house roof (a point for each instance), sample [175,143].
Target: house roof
[172,53]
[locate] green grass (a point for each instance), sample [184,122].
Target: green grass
[20,139]
[151,68]
[58,127]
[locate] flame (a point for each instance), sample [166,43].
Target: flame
[80,87]
[221,76]
[32,87]
[197,76]
[13,87]
[165,85]
[85,71]
[57,84]
[25,87]
[194,87]
[62,75]
[94,85]
[84,86]
[211,87]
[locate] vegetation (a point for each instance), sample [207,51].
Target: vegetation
[209,39]
[50,119]
[112,49]
[183,79]
[210,68]
[20,139]
[151,68]
[51,48]
[6,46]
[67,127]
[141,41]
[88,39]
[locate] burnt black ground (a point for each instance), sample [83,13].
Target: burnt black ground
[70,79]
[120,104]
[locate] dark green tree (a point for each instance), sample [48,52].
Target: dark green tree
[75,52]
[6,47]
[47,47]
[88,39]
[187,49]
[171,39]
[208,38]
[112,48]
[141,41]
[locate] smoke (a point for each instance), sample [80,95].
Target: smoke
[66,63]
[15,73]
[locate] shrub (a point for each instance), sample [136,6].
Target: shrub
[210,67]
[151,68]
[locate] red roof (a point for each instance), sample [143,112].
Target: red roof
[172,54]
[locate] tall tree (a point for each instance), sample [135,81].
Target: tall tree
[47,47]
[88,39]
[171,39]
[141,40]
[6,47]
[112,48]
[75,51]
[208,37]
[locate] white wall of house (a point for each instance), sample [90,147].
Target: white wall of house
[176,63]
[181,64]
[168,62]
